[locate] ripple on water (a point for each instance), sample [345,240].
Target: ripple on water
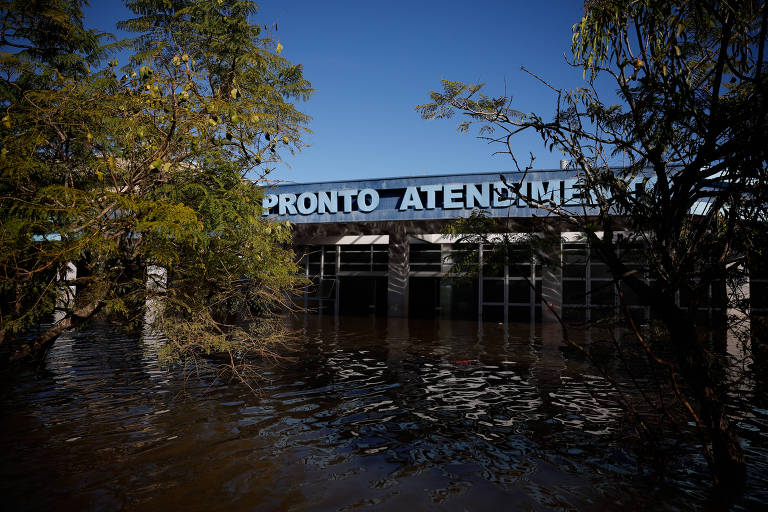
[372,413]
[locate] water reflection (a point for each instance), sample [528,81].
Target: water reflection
[392,413]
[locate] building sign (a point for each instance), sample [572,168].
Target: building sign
[433,197]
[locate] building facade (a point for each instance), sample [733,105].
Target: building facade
[377,247]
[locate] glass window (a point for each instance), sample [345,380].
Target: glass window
[602,293]
[575,292]
[520,291]
[493,290]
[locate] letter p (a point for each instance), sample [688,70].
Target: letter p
[269,201]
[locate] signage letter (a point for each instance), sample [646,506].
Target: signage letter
[553,192]
[640,185]
[269,201]
[481,197]
[328,202]
[571,191]
[538,191]
[347,195]
[369,204]
[287,204]
[304,208]
[430,190]
[452,196]
[501,195]
[523,193]
[411,199]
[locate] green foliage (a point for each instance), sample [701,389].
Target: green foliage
[42,37]
[690,108]
[155,164]
[499,244]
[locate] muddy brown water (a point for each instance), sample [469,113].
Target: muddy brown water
[371,413]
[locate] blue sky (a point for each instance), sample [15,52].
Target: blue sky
[371,63]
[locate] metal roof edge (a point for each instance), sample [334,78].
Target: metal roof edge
[444,175]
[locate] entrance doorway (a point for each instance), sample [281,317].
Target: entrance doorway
[363,295]
[424,297]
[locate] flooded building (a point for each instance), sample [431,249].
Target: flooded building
[378,247]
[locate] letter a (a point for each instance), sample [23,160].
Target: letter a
[411,199]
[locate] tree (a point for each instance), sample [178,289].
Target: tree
[156,165]
[674,92]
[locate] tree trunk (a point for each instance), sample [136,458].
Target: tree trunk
[759,343]
[37,348]
[696,366]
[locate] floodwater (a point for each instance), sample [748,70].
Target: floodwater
[368,413]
